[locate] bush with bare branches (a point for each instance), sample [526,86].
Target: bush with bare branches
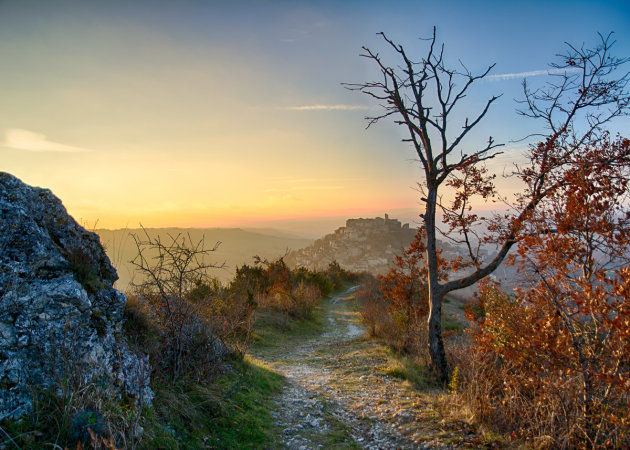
[172,272]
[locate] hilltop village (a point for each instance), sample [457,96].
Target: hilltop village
[363,245]
[369,245]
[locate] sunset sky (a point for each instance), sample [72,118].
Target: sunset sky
[232,113]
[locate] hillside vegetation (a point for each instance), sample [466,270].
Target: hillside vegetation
[235,247]
[196,330]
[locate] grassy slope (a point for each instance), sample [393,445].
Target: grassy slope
[274,329]
[231,412]
[234,411]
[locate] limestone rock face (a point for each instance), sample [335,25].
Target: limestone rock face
[60,317]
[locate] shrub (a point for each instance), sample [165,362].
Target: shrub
[391,321]
[293,292]
[373,309]
[231,315]
[524,374]
[321,280]
[173,290]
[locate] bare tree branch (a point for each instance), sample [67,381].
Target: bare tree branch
[424,96]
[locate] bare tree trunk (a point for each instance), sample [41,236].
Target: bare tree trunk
[436,343]
[436,293]
[421,95]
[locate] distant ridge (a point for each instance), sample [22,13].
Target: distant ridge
[238,246]
[276,233]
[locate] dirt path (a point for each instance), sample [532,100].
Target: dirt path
[340,392]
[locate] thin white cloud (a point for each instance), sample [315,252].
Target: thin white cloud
[36,142]
[306,29]
[325,108]
[532,73]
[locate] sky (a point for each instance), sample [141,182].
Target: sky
[233,113]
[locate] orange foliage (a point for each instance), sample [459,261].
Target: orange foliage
[404,287]
[566,337]
[404,290]
[278,287]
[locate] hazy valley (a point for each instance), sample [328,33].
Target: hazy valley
[236,247]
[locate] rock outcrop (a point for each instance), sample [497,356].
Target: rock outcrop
[60,318]
[369,245]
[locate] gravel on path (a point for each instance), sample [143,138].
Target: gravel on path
[337,396]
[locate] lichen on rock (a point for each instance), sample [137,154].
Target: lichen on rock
[60,317]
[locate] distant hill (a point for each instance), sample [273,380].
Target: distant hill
[372,244]
[278,233]
[237,247]
[363,245]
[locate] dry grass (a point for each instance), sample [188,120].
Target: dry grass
[519,416]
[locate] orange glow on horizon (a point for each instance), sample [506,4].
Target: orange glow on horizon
[235,217]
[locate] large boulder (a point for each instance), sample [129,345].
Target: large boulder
[60,317]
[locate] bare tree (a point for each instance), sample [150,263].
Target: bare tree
[171,270]
[423,96]
[172,267]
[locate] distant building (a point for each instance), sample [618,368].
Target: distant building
[362,245]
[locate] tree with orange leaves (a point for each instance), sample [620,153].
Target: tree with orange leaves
[404,287]
[423,95]
[566,337]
